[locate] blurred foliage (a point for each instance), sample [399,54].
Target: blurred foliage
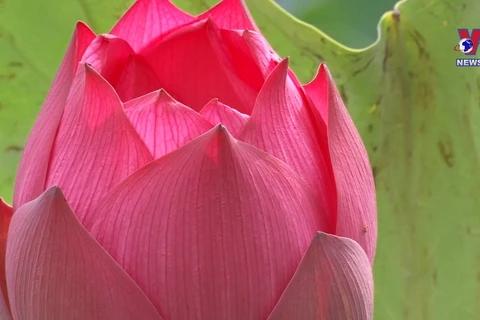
[353,23]
[418,114]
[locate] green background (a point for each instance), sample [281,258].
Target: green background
[418,114]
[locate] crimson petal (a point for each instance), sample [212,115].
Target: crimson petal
[213,230]
[333,281]
[96,146]
[56,270]
[193,65]
[32,171]
[250,56]
[357,211]
[163,123]
[136,79]
[147,20]
[265,58]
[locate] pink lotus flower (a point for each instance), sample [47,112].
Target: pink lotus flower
[179,170]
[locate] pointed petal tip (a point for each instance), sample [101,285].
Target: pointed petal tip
[276,79]
[231,14]
[54,192]
[209,23]
[325,236]
[217,112]
[219,133]
[163,95]
[108,37]
[82,25]
[215,105]
[285,62]
[82,32]
[159,97]
[79,23]
[212,103]
[221,130]
[322,72]
[90,72]
[87,67]
[281,69]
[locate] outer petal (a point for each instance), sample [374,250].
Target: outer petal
[194,66]
[231,14]
[108,55]
[334,281]
[147,20]
[33,166]
[5,217]
[163,123]
[218,113]
[136,79]
[56,270]
[357,212]
[283,125]
[96,146]
[213,230]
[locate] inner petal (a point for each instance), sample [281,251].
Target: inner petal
[218,113]
[163,123]
[194,65]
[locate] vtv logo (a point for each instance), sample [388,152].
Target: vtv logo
[474,37]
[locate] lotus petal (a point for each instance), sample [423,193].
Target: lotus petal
[96,146]
[333,281]
[108,55]
[265,58]
[163,123]
[56,270]
[283,125]
[136,79]
[357,209]
[194,77]
[32,171]
[216,112]
[250,56]
[213,230]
